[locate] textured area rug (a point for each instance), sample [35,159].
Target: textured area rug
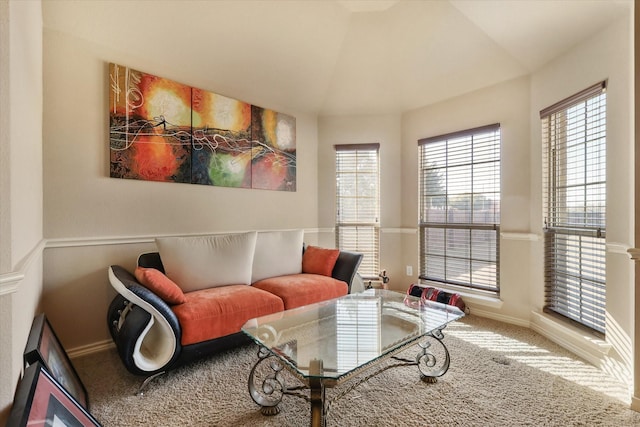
[500,375]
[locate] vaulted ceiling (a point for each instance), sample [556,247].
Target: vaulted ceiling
[337,56]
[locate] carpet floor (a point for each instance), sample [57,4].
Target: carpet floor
[500,375]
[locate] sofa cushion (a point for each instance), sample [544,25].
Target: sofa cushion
[216,312]
[277,253]
[302,289]
[319,260]
[160,284]
[200,262]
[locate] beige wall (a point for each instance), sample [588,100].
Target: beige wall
[507,104]
[92,221]
[82,201]
[383,129]
[5,138]
[635,403]
[21,242]
[608,55]
[515,105]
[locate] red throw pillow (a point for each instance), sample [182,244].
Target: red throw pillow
[319,260]
[157,282]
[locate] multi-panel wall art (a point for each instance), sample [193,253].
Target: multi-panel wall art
[161,130]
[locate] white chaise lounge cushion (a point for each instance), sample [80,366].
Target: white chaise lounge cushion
[200,262]
[278,253]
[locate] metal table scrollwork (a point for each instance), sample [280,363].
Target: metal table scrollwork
[304,351]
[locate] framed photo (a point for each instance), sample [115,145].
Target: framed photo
[43,346]
[41,401]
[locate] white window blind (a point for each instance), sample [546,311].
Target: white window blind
[574,147]
[358,204]
[459,187]
[357,332]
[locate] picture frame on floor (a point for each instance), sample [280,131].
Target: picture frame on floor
[41,400]
[44,346]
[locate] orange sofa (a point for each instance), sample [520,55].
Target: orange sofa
[192,297]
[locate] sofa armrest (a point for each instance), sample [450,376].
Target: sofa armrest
[346,266]
[144,327]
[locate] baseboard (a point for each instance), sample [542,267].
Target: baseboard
[589,348]
[89,349]
[499,317]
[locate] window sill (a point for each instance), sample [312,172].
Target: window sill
[574,339]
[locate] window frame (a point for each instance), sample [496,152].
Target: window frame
[574,289]
[451,227]
[369,228]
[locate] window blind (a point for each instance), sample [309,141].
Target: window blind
[574,155]
[459,188]
[357,332]
[358,204]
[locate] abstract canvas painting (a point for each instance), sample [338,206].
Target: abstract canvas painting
[222,140]
[150,126]
[274,150]
[161,130]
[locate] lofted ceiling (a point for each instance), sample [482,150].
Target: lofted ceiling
[334,57]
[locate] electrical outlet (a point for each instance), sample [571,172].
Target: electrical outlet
[409,270]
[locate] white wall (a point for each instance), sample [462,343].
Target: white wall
[92,221]
[607,55]
[515,105]
[21,241]
[507,104]
[635,403]
[383,129]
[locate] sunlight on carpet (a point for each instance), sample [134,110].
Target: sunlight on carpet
[579,372]
[500,375]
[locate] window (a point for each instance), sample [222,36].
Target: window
[574,144]
[358,204]
[460,208]
[357,332]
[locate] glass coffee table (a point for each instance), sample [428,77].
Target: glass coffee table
[332,342]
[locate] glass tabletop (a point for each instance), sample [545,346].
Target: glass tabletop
[332,338]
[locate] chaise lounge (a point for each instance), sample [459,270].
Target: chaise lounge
[191,298]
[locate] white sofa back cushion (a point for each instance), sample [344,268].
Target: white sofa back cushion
[278,253]
[201,262]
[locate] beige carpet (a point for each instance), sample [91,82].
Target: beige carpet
[500,375]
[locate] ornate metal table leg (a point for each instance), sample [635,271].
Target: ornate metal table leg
[268,394]
[317,394]
[432,366]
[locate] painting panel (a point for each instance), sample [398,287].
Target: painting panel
[44,346]
[273,160]
[161,130]
[221,152]
[40,400]
[150,126]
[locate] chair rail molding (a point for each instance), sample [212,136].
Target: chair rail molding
[74,242]
[617,248]
[10,281]
[634,253]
